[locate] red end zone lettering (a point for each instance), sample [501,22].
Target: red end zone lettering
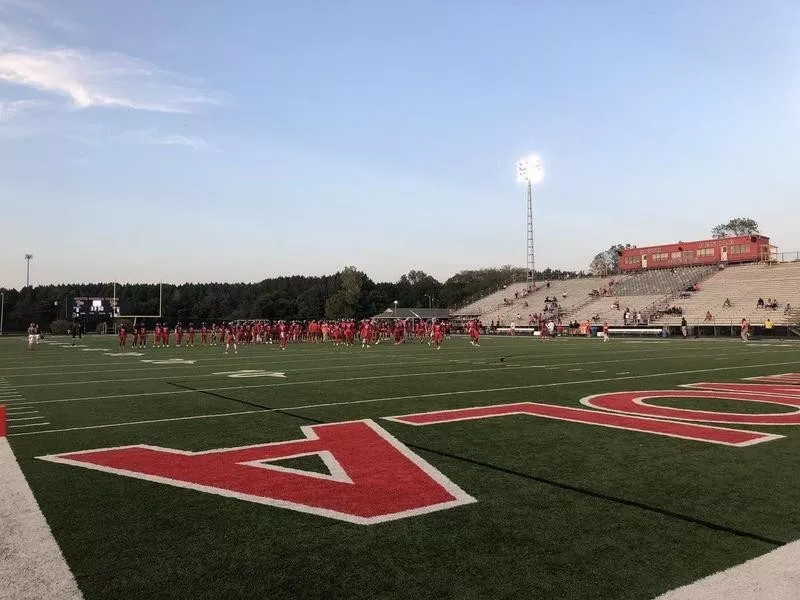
[636,403]
[689,431]
[2,421]
[374,477]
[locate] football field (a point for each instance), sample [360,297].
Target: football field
[406,472]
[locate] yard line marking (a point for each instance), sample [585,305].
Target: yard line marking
[464,352]
[29,425]
[409,397]
[624,373]
[16,414]
[574,369]
[10,408]
[338,380]
[24,418]
[34,566]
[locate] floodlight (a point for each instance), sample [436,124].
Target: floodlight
[530,169]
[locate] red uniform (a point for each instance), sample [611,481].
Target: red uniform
[123,336]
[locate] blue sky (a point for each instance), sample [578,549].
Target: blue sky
[145,140]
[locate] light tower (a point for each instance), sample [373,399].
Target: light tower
[530,171]
[28,258]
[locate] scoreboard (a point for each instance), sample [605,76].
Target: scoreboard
[94,307]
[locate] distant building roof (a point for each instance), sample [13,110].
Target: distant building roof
[414,313]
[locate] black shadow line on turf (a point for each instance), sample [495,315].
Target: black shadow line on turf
[550,482]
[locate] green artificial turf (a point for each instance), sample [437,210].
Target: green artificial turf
[564,510]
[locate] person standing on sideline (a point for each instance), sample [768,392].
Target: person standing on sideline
[605,331]
[684,328]
[31,336]
[745,330]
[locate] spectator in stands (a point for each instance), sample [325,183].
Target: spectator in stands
[727,303]
[774,304]
[760,303]
[709,316]
[788,309]
[638,317]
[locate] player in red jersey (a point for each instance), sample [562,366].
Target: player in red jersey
[605,331]
[204,335]
[142,336]
[157,336]
[399,332]
[123,336]
[437,335]
[165,336]
[283,334]
[178,335]
[366,334]
[230,340]
[474,329]
[190,342]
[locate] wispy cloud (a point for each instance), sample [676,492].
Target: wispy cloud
[152,137]
[12,109]
[90,78]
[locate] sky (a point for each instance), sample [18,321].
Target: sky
[147,140]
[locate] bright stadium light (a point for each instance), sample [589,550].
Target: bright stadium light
[530,169]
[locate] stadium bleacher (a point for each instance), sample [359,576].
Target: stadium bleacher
[570,295]
[742,285]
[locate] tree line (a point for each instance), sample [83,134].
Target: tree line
[348,293]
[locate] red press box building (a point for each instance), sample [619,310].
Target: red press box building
[739,249]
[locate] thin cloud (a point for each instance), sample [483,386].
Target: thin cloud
[90,78]
[10,110]
[152,138]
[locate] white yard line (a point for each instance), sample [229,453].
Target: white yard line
[775,575]
[29,425]
[408,397]
[338,380]
[33,566]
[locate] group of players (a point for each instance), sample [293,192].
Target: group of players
[346,332]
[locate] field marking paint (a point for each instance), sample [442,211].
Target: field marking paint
[15,407]
[29,425]
[774,575]
[123,353]
[278,359]
[24,418]
[408,397]
[380,478]
[686,431]
[34,566]
[317,381]
[16,414]
[247,373]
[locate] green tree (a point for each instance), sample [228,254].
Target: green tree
[734,227]
[607,261]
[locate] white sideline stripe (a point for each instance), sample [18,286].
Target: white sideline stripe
[339,380]
[775,575]
[277,365]
[410,397]
[33,566]
[29,425]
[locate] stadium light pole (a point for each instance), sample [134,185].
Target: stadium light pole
[530,171]
[395,309]
[28,258]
